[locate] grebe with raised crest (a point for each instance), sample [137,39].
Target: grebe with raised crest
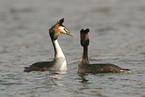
[59,61]
[85,67]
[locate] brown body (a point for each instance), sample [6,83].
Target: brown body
[85,67]
[39,66]
[100,68]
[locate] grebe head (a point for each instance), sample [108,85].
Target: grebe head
[58,28]
[84,37]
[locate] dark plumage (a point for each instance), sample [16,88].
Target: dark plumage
[39,66]
[85,67]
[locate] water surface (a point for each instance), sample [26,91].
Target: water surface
[116,36]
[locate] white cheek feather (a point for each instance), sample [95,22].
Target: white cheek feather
[62,30]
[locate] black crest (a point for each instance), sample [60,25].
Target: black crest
[84,31]
[61,21]
[87,30]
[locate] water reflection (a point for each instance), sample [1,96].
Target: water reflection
[90,88]
[53,77]
[83,77]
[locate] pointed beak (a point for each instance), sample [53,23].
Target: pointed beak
[70,34]
[64,30]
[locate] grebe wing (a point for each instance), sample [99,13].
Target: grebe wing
[39,66]
[106,68]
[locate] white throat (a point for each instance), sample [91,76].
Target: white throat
[57,49]
[59,58]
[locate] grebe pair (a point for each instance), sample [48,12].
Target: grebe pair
[59,61]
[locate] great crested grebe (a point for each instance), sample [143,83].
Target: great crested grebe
[85,67]
[59,61]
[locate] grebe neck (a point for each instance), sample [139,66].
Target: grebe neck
[85,54]
[57,49]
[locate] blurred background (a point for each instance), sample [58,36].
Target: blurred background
[117,31]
